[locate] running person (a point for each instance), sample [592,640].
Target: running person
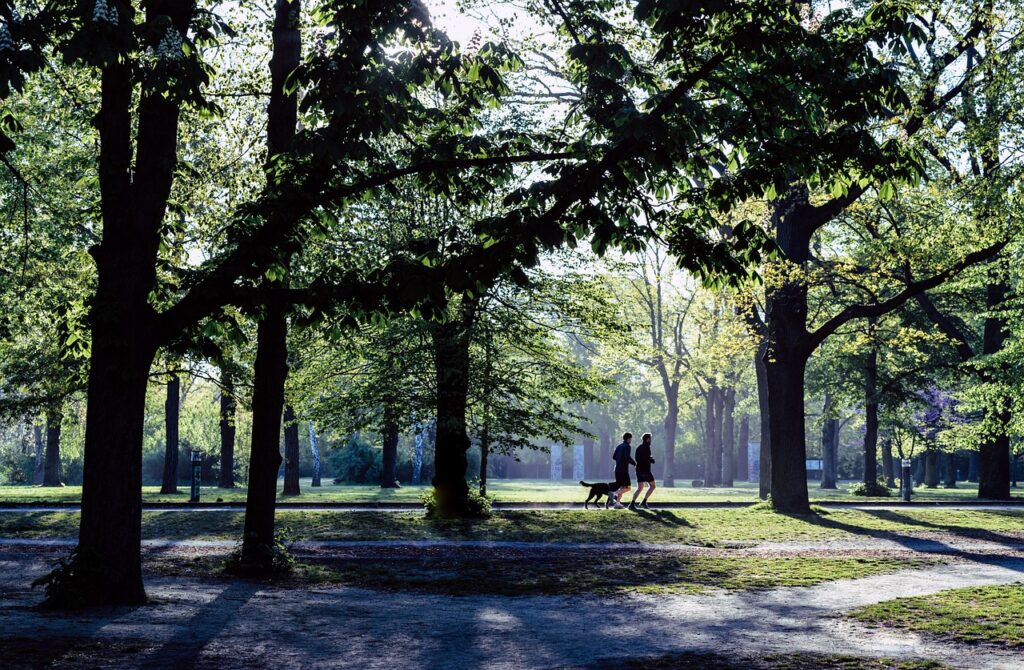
[622,462]
[643,472]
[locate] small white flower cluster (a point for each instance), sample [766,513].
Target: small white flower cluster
[6,41]
[170,45]
[104,13]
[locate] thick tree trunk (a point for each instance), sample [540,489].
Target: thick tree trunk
[228,410]
[994,452]
[931,468]
[829,440]
[728,437]
[51,460]
[271,366]
[605,466]
[949,481]
[315,451]
[172,411]
[889,463]
[271,370]
[291,453]
[589,468]
[485,449]
[741,452]
[871,419]
[671,428]
[712,424]
[389,455]
[37,470]
[451,355]
[764,473]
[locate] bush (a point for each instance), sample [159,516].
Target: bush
[261,561]
[356,462]
[877,489]
[477,506]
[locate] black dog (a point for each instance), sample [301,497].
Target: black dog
[598,490]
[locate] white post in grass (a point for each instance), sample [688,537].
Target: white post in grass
[556,462]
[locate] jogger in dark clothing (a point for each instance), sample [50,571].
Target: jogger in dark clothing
[622,462]
[643,471]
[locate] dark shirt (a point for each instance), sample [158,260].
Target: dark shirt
[643,458]
[621,457]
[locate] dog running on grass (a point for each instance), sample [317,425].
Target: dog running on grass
[597,490]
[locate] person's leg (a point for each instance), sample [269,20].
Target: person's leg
[639,490]
[623,491]
[650,490]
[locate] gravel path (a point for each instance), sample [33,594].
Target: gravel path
[213,624]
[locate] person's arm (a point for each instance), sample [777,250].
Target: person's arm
[630,458]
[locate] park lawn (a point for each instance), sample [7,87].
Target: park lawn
[991,614]
[706,661]
[705,527]
[510,491]
[563,572]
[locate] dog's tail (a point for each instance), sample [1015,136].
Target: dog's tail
[583,483]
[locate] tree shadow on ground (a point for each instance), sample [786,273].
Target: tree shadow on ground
[665,518]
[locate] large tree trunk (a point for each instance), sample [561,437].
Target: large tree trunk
[172,411]
[829,440]
[228,410]
[994,452]
[871,419]
[589,468]
[51,461]
[889,463]
[315,451]
[271,370]
[291,453]
[931,468]
[788,451]
[728,437]
[949,481]
[37,470]
[712,425]
[741,452]
[671,428]
[389,457]
[271,366]
[451,355]
[764,472]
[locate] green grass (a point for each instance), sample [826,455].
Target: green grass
[696,526]
[562,573]
[706,661]
[519,490]
[991,614]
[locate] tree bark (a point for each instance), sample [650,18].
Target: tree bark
[389,456]
[949,481]
[315,451]
[713,424]
[291,453]
[671,428]
[871,419]
[829,439]
[589,468]
[728,437]
[271,370]
[172,412]
[228,411]
[931,468]
[764,473]
[741,453]
[51,460]
[888,463]
[271,366]
[973,463]
[451,356]
[994,452]
[37,470]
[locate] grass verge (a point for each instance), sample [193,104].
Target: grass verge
[990,614]
[699,661]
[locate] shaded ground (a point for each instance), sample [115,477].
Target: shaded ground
[216,623]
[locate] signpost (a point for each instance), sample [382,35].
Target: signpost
[197,475]
[905,483]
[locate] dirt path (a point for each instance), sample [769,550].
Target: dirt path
[211,624]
